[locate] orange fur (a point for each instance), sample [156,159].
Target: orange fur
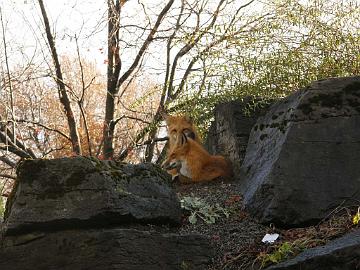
[177,125]
[180,124]
[194,162]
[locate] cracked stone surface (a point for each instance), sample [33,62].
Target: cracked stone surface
[340,254]
[83,213]
[87,192]
[229,132]
[303,156]
[115,248]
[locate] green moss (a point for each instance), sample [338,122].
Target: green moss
[2,208]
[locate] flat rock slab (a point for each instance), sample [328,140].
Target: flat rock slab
[81,192]
[124,249]
[229,132]
[340,254]
[303,156]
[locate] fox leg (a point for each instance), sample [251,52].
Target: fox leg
[174,173]
[208,175]
[184,180]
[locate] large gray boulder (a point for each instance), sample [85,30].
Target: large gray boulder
[303,156]
[87,192]
[111,248]
[340,254]
[82,213]
[229,132]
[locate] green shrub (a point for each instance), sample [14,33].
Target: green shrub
[199,208]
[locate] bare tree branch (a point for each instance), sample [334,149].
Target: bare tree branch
[9,78]
[64,99]
[16,147]
[81,100]
[7,176]
[7,161]
[110,99]
[188,46]
[146,44]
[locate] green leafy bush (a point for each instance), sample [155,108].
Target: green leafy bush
[296,43]
[199,208]
[2,208]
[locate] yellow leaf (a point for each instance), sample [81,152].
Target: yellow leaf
[356,218]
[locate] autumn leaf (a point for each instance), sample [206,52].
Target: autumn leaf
[356,218]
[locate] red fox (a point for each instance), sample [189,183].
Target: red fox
[194,162]
[180,124]
[177,125]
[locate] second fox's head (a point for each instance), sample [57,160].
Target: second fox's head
[178,152]
[180,124]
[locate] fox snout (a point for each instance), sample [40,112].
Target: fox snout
[170,165]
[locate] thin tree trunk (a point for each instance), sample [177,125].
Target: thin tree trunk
[114,66]
[9,80]
[113,71]
[64,98]
[149,151]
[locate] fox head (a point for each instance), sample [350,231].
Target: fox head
[179,124]
[177,153]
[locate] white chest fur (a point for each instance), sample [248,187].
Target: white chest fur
[185,170]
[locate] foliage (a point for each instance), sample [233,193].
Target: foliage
[297,43]
[199,208]
[282,252]
[356,217]
[2,208]
[204,53]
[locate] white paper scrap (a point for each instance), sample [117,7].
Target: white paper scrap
[270,238]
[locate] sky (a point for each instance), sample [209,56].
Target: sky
[68,18]
[85,19]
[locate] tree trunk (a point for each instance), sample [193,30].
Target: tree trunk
[64,98]
[114,66]
[113,71]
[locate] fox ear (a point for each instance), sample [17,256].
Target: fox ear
[189,134]
[184,139]
[189,119]
[164,114]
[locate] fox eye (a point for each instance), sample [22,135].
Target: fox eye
[173,134]
[189,133]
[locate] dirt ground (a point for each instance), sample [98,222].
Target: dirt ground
[237,238]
